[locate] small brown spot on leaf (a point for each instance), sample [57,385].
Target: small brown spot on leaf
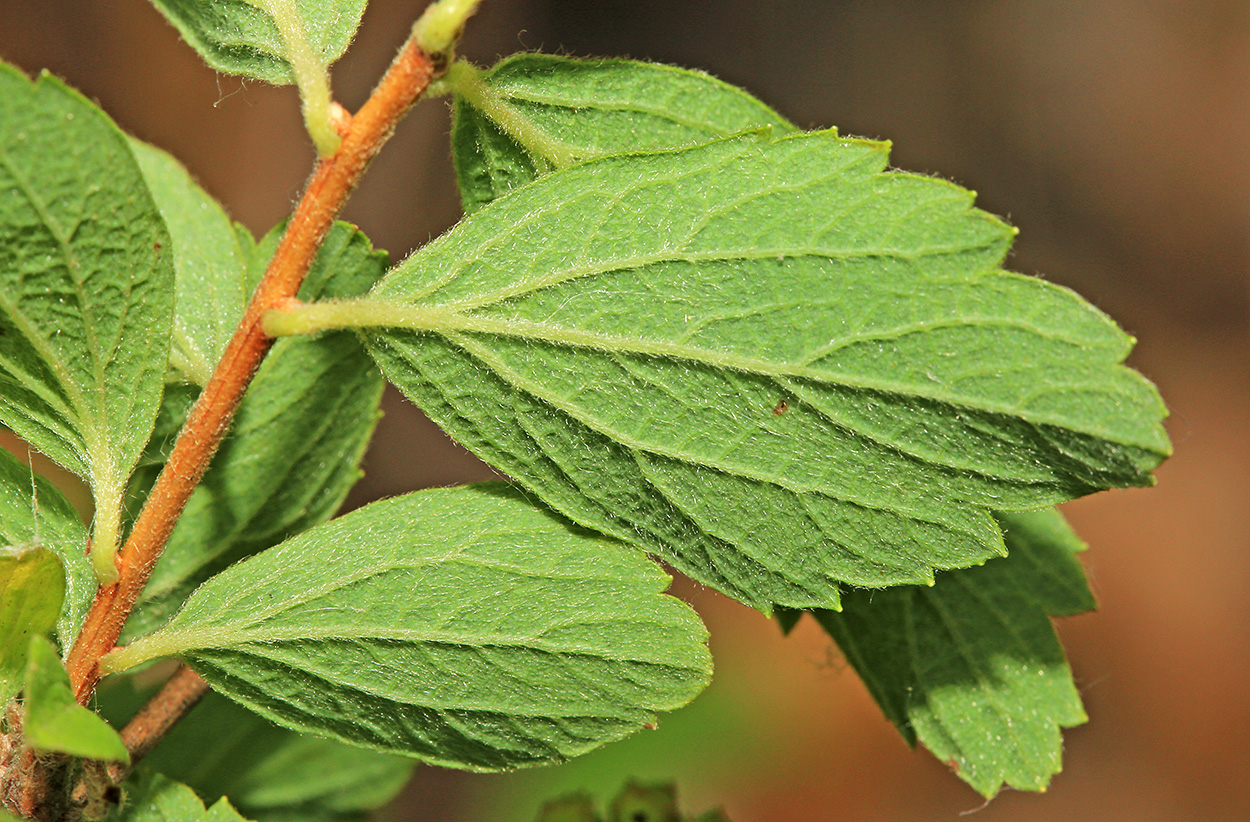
[781,407]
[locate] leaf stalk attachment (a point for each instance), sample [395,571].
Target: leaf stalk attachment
[440,25]
[333,181]
[465,79]
[311,77]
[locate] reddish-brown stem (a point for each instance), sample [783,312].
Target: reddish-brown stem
[180,693]
[331,183]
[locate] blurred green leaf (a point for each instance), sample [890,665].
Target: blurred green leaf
[151,797]
[271,774]
[641,802]
[577,807]
[713,815]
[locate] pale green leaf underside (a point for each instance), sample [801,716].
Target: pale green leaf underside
[210,257]
[53,721]
[150,797]
[773,363]
[530,112]
[971,667]
[294,448]
[242,37]
[32,587]
[58,529]
[462,626]
[86,287]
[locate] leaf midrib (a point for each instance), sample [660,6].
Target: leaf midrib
[616,265]
[456,555]
[452,324]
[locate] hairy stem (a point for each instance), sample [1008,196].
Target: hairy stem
[180,693]
[331,183]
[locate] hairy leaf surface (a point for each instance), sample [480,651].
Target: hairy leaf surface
[462,626]
[294,448]
[532,113]
[253,37]
[40,516]
[971,667]
[771,362]
[86,290]
[53,721]
[210,259]
[151,797]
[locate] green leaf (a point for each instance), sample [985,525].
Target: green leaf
[53,721]
[86,292]
[271,774]
[531,113]
[971,667]
[255,37]
[32,588]
[463,626]
[40,516]
[773,363]
[294,448]
[151,797]
[210,256]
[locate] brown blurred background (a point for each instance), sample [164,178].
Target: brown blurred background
[1115,134]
